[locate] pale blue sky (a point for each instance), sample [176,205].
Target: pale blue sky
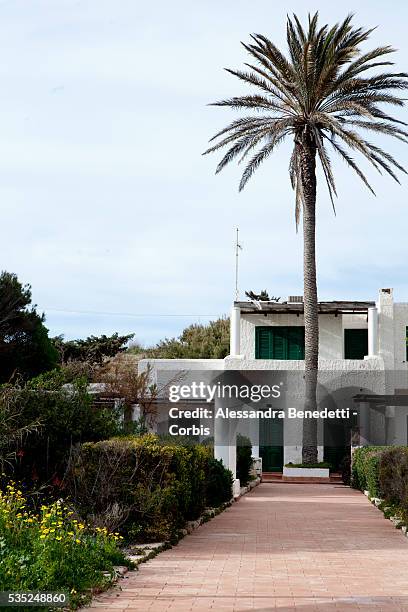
[108,206]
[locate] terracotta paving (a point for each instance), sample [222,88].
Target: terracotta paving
[281,547]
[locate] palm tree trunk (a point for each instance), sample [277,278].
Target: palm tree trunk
[307,151]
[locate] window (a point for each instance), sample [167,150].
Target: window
[280,342]
[355,343]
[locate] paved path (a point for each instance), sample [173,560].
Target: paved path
[281,547]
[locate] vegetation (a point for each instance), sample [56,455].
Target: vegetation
[25,348]
[321,97]
[122,381]
[145,487]
[51,550]
[93,350]
[218,484]
[40,428]
[209,341]
[261,297]
[365,469]
[383,472]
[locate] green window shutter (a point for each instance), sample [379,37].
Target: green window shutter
[263,343]
[296,342]
[355,343]
[280,342]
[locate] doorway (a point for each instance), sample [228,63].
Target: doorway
[271,444]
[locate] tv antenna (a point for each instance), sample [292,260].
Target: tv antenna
[238,248]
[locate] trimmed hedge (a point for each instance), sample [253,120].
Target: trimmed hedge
[146,487]
[393,476]
[365,470]
[383,472]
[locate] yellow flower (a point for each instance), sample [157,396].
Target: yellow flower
[42,537]
[78,541]
[58,538]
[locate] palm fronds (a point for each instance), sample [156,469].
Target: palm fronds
[322,93]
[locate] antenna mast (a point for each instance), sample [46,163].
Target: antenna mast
[238,247]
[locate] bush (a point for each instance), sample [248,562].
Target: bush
[383,471]
[365,470]
[244,459]
[219,484]
[393,476]
[144,486]
[244,455]
[51,550]
[51,423]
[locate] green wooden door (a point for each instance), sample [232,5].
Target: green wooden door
[355,343]
[271,444]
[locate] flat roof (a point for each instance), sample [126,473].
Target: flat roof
[335,307]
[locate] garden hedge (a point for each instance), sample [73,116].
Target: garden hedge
[393,476]
[144,486]
[365,470]
[383,471]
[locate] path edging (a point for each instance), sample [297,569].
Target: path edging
[145,552]
[396,520]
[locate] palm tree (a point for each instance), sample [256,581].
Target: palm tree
[321,96]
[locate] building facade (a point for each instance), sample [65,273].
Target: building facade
[363,362]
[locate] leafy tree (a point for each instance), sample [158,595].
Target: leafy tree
[25,348]
[94,349]
[196,342]
[322,97]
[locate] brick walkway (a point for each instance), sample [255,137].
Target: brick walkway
[283,546]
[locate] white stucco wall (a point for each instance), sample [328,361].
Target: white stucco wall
[331,331]
[400,325]
[383,373]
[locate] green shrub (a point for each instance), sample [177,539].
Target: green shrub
[244,459]
[219,484]
[62,418]
[142,485]
[383,471]
[365,470]
[393,476]
[51,550]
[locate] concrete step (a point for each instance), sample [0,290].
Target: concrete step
[335,478]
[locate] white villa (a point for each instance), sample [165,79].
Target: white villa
[362,342]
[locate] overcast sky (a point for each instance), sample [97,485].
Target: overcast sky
[108,208]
